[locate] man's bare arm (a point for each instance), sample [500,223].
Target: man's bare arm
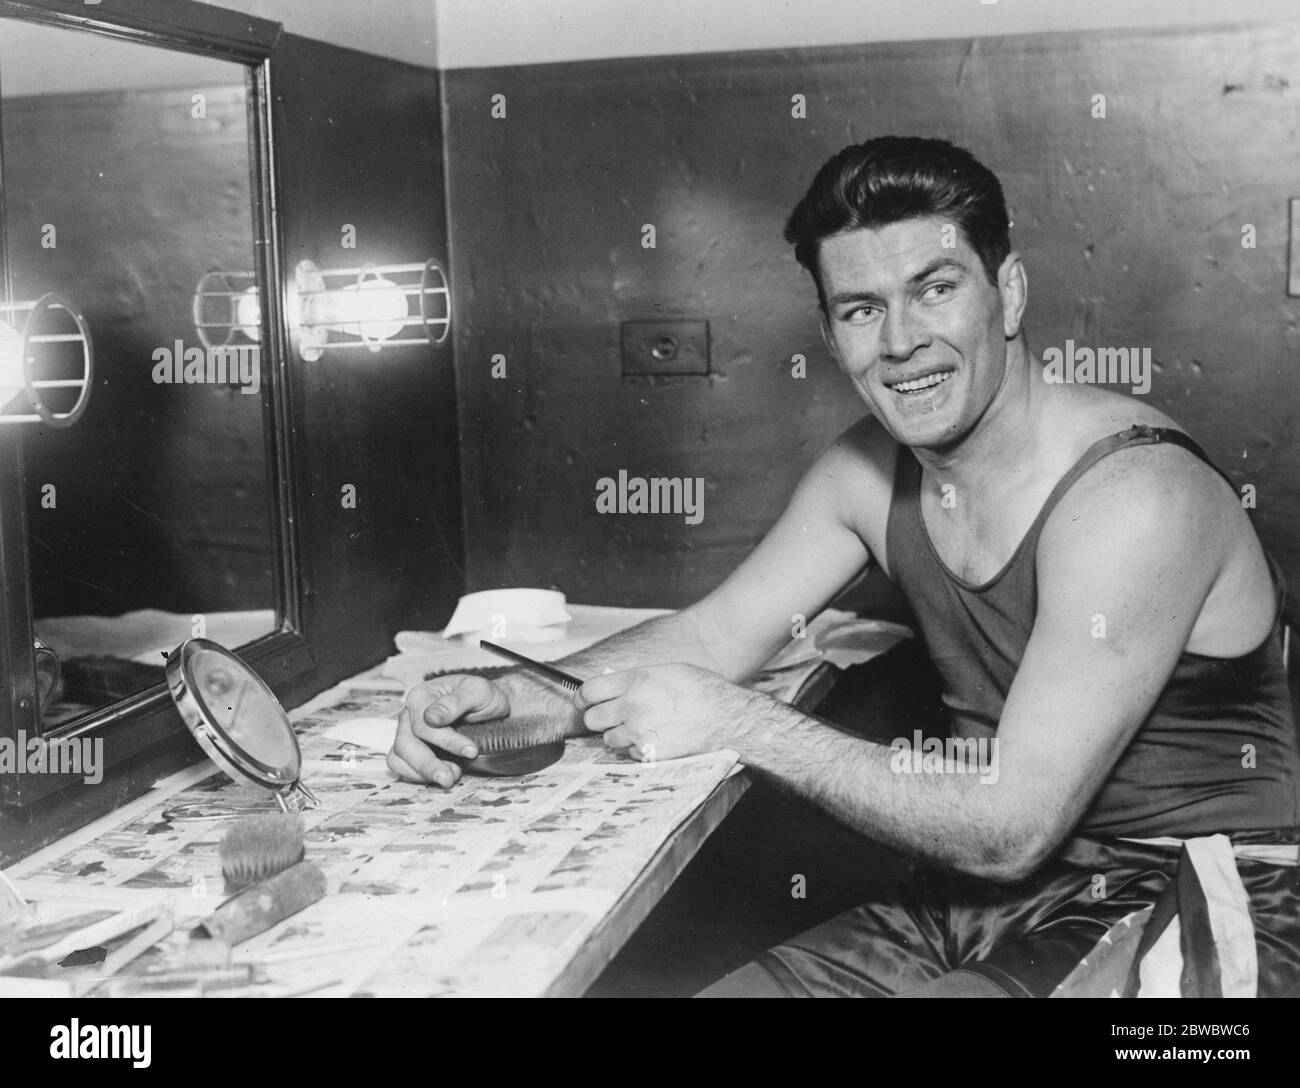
[1137,542]
[806,558]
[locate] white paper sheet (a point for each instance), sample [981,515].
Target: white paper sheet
[490,887]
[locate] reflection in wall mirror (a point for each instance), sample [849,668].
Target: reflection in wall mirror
[126,178]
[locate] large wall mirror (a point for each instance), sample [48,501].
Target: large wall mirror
[126,177]
[135,160]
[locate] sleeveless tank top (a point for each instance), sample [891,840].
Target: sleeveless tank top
[1186,771]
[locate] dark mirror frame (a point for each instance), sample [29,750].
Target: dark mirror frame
[149,717]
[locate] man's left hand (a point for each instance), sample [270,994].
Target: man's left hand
[663,711]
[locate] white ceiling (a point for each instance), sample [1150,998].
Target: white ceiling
[489,33]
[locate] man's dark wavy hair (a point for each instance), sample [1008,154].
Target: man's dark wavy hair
[892,178]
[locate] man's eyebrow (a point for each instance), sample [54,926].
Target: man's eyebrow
[841,297]
[939,264]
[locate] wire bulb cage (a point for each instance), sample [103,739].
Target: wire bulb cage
[371,307]
[50,385]
[226,305]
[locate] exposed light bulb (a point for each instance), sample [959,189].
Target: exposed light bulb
[374,309]
[11,364]
[248,314]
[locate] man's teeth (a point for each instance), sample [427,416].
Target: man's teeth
[923,383]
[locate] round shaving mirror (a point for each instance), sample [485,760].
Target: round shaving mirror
[237,720]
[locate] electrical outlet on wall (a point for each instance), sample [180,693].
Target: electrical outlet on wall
[665,347]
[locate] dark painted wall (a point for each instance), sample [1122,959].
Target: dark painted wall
[1131,226]
[358,143]
[161,497]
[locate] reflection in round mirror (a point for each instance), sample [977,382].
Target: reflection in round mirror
[236,718]
[244,708]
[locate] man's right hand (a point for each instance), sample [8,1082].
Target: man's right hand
[429,717]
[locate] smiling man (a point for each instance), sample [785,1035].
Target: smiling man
[1089,587]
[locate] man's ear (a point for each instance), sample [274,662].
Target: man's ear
[1013,287]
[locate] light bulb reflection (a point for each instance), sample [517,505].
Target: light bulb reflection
[248,314]
[11,364]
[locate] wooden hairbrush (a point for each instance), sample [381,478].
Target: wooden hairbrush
[518,744]
[257,847]
[262,862]
[510,746]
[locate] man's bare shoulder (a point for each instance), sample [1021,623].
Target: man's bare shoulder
[1166,481]
[1168,476]
[855,475]
[865,446]
[1165,515]
[860,462]
[1161,494]
[1079,415]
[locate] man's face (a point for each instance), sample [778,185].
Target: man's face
[916,326]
